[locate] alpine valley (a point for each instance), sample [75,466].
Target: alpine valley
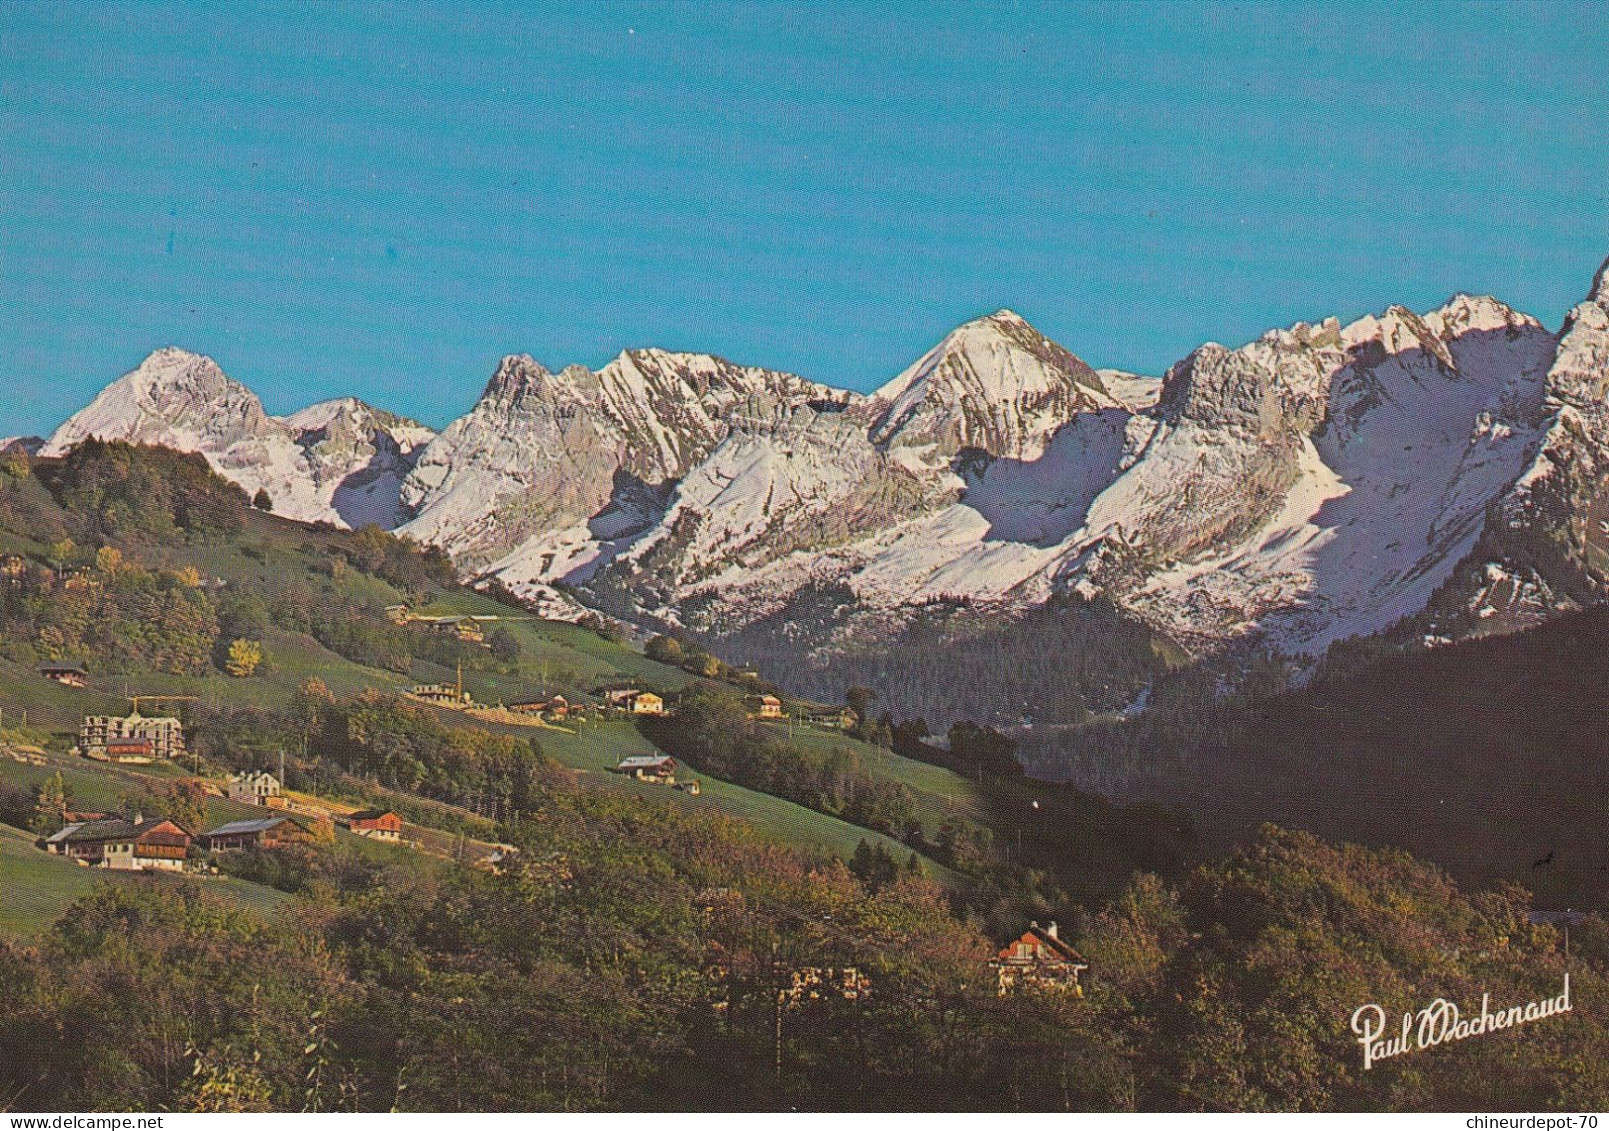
[1065,536]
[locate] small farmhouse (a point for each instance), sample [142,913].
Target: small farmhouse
[765,707]
[253,787]
[556,708]
[256,832]
[73,674]
[621,696]
[126,846]
[466,629]
[376,824]
[1038,960]
[657,768]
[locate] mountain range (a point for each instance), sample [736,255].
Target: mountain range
[1439,470]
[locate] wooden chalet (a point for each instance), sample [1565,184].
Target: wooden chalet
[1038,960]
[659,769]
[765,707]
[256,832]
[73,674]
[376,824]
[125,846]
[557,707]
[466,629]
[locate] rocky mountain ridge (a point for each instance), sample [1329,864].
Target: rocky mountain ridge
[1321,482]
[340,461]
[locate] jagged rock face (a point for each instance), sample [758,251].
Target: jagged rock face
[341,462]
[798,475]
[1550,537]
[787,479]
[540,451]
[357,457]
[1326,483]
[1319,482]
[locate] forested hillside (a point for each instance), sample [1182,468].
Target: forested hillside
[645,959]
[1487,756]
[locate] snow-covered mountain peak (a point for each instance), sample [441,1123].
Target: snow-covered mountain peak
[174,397]
[996,384]
[172,365]
[1465,313]
[350,421]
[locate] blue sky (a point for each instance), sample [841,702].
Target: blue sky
[382,201]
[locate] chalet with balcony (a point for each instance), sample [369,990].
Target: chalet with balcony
[67,673]
[555,708]
[256,832]
[1038,961]
[124,846]
[376,824]
[765,707]
[660,769]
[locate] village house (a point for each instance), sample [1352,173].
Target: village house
[635,700]
[377,824]
[466,629]
[557,707]
[841,718]
[1038,960]
[765,707]
[256,832]
[647,703]
[68,674]
[660,769]
[80,579]
[397,614]
[100,732]
[253,787]
[125,846]
[441,694]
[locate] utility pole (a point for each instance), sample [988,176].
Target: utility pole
[776,972]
